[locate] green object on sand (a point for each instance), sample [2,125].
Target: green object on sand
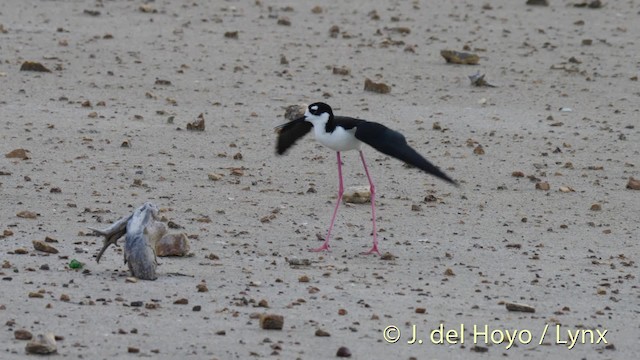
[75,264]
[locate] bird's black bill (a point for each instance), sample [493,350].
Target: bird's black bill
[290,132]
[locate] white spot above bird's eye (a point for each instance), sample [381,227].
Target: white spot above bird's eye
[314,107]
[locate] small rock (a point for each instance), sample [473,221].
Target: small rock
[44,247]
[133,350]
[566,189]
[65,298]
[478,150]
[380,88]
[271,321]
[214,177]
[36,295]
[457,57]
[633,184]
[517,174]
[231,34]
[126,143]
[387,256]
[519,307]
[344,71]
[21,251]
[263,303]
[22,334]
[421,310]
[173,245]
[131,280]
[317,9]
[479,349]
[182,301]
[298,262]
[343,351]
[357,195]
[322,333]
[587,42]
[147,8]
[303,279]
[285,21]
[196,308]
[42,344]
[197,125]
[449,272]
[202,287]
[18,154]
[543,185]
[91,12]
[334,31]
[538,2]
[33,66]
[596,207]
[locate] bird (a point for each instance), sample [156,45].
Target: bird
[343,133]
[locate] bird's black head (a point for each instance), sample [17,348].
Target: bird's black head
[320,108]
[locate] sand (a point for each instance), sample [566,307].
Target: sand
[563,112]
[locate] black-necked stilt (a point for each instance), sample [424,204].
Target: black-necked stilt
[341,133]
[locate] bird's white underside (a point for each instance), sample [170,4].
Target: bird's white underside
[338,140]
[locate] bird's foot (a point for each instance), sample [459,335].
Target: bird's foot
[324,247]
[374,249]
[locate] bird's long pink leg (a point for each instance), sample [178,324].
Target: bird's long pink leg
[325,244]
[372,188]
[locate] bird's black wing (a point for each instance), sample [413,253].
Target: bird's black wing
[290,132]
[394,144]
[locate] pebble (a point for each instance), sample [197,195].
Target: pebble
[357,195]
[519,307]
[44,247]
[633,184]
[33,66]
[202,287]
[478,150]
[538,2]
[18,154]
[283,20]
[27,214]
[22,334]
[322,333]
[457,57]
[173,245]
[543,185]
[197,125]
[271,321]
[343,351]
[42,344]
[182,301]
[380,88]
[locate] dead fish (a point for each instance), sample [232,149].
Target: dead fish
[142,231]
[477,79]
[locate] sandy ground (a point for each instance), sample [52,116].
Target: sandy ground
[458,259]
